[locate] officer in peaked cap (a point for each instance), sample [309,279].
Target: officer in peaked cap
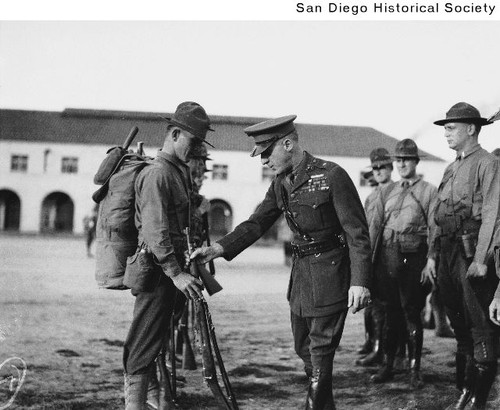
[467,210]
[331,246]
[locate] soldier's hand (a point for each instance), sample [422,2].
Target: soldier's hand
[477,270]
[495,310]
[188,284]
[359,298]
[429,272]
[207,253]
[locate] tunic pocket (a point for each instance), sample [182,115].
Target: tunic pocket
[329,277]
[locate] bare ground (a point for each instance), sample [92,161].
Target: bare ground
[70,334]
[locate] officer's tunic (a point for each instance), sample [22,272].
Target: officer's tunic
[468,204]
[162,212]
[324,203]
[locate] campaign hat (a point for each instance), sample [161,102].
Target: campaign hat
[463,112]
[192,117]
[406,148]
[380,157]
[266,133]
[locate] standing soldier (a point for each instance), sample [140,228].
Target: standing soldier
[331,246]
[467,217]
[381,164]
[405,221]
[162,197]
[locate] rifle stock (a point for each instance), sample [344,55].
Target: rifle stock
[188,360]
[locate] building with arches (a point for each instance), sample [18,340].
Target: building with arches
[48,160]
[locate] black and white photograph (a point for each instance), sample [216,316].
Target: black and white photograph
[234,212]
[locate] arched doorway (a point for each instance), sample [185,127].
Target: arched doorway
[57,213]
[10,210]
[220,218]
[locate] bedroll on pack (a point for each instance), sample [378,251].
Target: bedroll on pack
[116,234]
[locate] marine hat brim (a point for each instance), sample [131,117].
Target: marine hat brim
[468,120]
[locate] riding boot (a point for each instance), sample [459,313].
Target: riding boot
[319,394]
[367,347]
[386,372]
[443,329]
[153,389]
[485,376]
[377,355]
[415,342]
[465,375]
[136,390]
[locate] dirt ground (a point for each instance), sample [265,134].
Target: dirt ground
[70,335]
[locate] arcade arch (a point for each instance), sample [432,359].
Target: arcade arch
[57,213]
[10,210]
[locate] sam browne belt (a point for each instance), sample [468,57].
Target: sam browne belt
[311,248]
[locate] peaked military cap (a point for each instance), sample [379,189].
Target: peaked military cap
[380,157]
[406,148]
[463,112]
[266,133]
[192,117]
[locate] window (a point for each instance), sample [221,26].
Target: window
[219,171]
[69,165]
[267,174]
[19,163]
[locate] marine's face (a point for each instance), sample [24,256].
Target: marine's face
[457,134]
[407,167]
[382,173]
[184,144]
[277,157]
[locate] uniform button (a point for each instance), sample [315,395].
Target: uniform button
[333,263]
[292,196]
[282,208]
[315,206]
[295,214]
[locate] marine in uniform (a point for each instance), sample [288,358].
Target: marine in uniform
[467,217]
[331,268]
[405,222]
[381,165]
[156,271]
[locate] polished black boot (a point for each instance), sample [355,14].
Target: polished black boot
[319,394]
[386,372]
[465,375]
[485,376]
[377,355]
[415,342]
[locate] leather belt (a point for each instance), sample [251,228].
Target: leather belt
[311,248]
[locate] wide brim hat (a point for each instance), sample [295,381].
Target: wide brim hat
[463,112]
[407,148]
[266,133]
[380,157]
[191,116]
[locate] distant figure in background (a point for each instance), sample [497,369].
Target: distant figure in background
[89,227]
[496,152]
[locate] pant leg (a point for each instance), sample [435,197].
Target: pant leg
[150,321]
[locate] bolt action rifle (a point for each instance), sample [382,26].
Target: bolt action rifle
[207,340]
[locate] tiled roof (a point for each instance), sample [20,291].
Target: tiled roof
[111,127]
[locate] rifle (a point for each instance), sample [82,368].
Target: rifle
[207,340]
[209,282]
[211,264]
[188,361]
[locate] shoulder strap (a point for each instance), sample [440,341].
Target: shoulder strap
[289,216]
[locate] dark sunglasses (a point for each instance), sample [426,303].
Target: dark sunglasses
[379,168]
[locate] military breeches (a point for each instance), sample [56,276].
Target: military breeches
[150,322]
[317,338]
[399,289]
[467,302]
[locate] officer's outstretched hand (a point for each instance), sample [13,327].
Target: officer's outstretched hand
[207,253]
[359,298]
[188,284]
[477,270]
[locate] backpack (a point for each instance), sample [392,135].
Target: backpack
[116,234]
